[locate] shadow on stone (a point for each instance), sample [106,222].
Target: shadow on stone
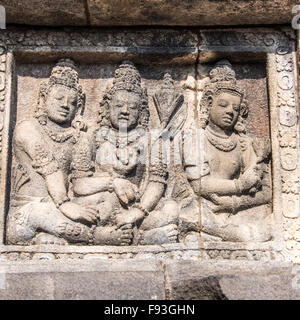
[203,289]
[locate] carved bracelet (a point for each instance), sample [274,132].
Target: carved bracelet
[59,203]
[111,185]
[138,206]
[238,187]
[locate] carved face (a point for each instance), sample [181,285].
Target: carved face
[124,110]
[225,110]
[61,104]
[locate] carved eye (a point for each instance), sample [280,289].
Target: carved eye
[236,107]
[74,102]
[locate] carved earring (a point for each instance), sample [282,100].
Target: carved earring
[78,122]
[40,111]
[239,126]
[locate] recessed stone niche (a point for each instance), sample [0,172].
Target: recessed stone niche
[207,168]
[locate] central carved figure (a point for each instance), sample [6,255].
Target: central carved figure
[115,170]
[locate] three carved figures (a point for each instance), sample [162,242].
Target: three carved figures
[108,185]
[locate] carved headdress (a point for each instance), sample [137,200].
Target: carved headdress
[128,78]
[64,73]
[222,79]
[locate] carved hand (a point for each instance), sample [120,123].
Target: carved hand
[130,217]
[251,178]
[125,190]
[75,212]
[221,204]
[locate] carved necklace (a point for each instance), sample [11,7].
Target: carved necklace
[121,141]
[61,135]
[223,143]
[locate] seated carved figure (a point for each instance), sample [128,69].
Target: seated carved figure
[112,169]
[228,174]
[41,211]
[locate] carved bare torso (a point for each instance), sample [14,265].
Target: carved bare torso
[224,165]
[46,147]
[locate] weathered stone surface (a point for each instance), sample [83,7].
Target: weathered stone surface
[153,12]
[46,13]
[195,12]
[93,279]
[187,280]
[179,92]
[238,280]
[45,163]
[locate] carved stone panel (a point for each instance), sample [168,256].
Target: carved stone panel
[164,145]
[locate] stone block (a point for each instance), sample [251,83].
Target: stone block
[94,279]
[149,12]
[190,13]
[233,280]
[47,13]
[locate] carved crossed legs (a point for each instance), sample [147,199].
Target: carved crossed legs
[237,228]
[107,233]
[26,223]
[161,225]
[157,228]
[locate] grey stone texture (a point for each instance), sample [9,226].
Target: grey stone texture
[173,65]
[149,12]
[143,280]
[93,279]
[232,280]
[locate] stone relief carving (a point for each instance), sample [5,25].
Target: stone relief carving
[107,185]
[289,153]
[229,173]
[284,126]
[2,90]
[41,211]
[124,178]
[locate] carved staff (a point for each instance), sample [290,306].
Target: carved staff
[170,108]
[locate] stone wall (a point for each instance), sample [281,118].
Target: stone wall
[163,158]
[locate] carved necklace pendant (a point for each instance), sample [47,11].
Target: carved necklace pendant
[223,143]
[122,155]
[60,136]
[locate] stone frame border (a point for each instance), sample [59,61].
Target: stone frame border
[276,47]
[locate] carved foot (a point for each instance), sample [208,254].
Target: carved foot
[246,233]
[166,234]
[256,233]
[44,238]
[111,236]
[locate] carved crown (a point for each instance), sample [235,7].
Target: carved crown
[127,77]
[222,78]
[65,73]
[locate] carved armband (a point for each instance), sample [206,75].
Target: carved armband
[82,164]
[43,161]
[111,185]
[158,173]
